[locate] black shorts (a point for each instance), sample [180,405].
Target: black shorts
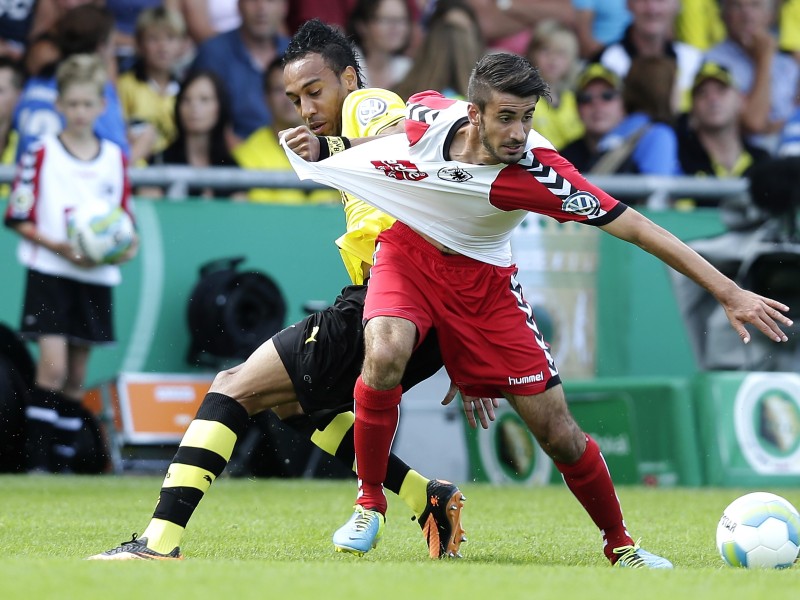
[61,306]
[323,355]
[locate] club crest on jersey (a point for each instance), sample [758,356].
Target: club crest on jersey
[582,203]
[455,174]
[369,108]
[400,169]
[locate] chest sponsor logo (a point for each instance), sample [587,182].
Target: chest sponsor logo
[400,169]
[455,174]
[582,203]
[369,109]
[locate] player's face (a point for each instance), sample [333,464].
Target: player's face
[318,93]
[504,126]
[81,104]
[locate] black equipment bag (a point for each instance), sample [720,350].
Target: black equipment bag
[230,313]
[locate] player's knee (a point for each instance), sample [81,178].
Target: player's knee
[562,440]
[384,366]
[51,377]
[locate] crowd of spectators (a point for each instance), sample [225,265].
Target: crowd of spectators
[666,87]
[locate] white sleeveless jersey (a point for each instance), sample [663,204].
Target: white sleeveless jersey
[50,182]
[471,209]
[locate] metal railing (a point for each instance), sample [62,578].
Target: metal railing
[658,190]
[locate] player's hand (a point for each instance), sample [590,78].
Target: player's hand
[484,407]
[72,255]
[302,142]
[765,314]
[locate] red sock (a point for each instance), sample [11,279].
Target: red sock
[590,482]
[376,423]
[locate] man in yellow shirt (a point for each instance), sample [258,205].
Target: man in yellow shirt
[261,151]
[314,362]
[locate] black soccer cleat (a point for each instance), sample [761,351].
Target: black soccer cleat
[441,519]
[136,549]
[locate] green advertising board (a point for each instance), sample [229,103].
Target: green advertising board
[644,426]
[749,425]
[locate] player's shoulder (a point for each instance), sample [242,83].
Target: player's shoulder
[537,140]
[432,100]
[367,111]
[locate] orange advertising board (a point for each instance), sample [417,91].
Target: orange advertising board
[156,408]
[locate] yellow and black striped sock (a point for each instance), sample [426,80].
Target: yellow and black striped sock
[204,451]
[337,439]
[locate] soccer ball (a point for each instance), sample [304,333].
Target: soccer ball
[759,530]
[101,232]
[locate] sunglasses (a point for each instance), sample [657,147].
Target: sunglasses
[605,96]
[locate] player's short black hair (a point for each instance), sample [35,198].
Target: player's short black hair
[316,37]
[505,73]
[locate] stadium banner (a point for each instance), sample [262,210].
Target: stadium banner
[644,426]
[749,425]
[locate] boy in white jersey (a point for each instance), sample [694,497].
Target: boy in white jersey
[68,298]
[68,306]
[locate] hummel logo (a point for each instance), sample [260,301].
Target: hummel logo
[313,336]
[207,478]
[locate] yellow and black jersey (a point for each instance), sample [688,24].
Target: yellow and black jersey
[365,113]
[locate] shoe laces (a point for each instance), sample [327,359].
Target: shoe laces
[134,540]
[629,555]
[364,518]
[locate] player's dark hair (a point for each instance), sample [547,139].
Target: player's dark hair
[507,74]
[316,37]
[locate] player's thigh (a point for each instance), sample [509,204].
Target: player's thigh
[259,383]
[52,357]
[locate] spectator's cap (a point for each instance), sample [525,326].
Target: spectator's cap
[712,71]
[594,72]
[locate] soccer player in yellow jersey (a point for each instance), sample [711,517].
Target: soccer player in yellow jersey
[315,362]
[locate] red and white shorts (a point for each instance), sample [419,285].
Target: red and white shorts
[487,333]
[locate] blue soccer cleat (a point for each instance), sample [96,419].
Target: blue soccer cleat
[361,533]
[634,557]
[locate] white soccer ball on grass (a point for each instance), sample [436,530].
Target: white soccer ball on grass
[759,531]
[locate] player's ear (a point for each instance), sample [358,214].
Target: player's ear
[350,78]
[473,114]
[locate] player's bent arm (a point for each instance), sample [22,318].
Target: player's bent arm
[397,127]
[741,306]
[30,232]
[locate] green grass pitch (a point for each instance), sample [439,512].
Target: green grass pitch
[271,539]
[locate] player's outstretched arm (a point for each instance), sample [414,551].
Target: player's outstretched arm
[741,306]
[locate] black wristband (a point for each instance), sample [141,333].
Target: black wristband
[330,145]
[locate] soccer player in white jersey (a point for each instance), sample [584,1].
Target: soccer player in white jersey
[459,181]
